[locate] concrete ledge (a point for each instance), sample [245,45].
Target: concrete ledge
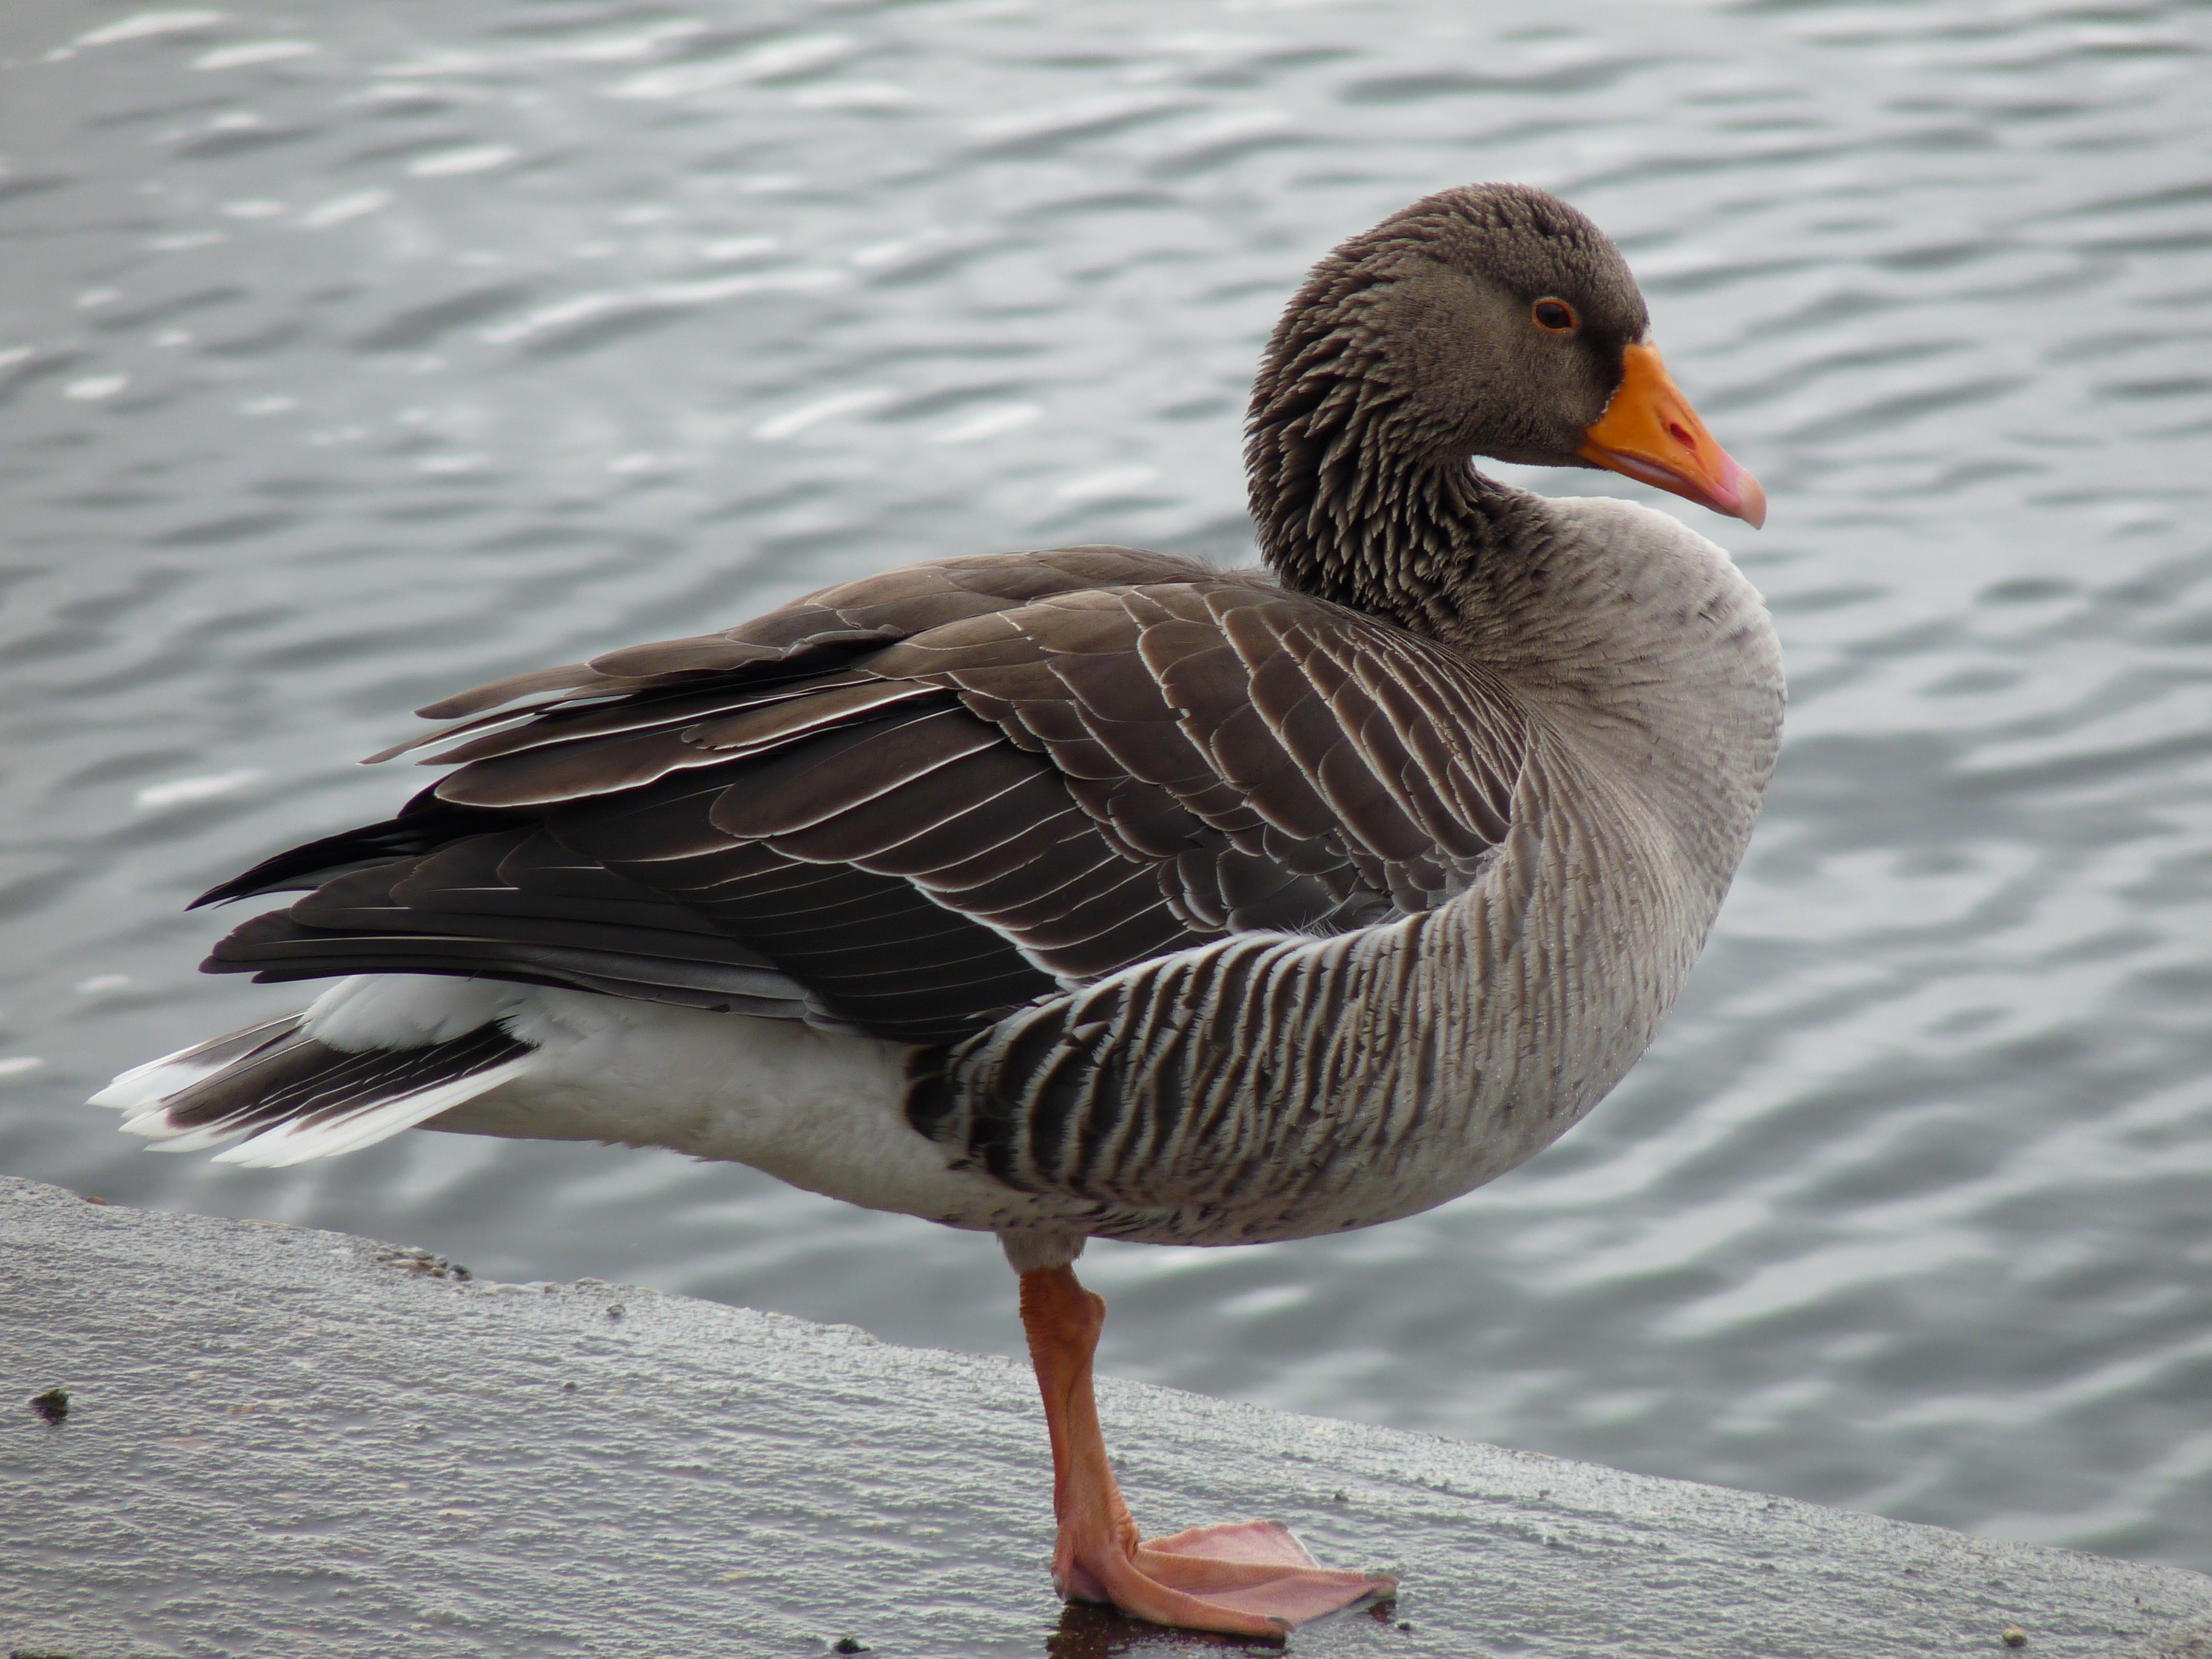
[282,1442]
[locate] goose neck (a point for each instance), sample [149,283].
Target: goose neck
[1405,537]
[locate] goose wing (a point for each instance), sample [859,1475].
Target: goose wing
[914,803]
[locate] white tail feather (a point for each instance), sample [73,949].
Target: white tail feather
[142,1085]
[295,1142]
[155,1127]
[146,1085]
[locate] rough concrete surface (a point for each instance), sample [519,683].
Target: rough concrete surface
[284,1442]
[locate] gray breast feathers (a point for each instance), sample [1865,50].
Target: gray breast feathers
[915,802]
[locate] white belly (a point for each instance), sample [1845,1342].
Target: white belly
[819,1109]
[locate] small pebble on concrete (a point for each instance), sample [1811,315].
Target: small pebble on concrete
[422,1264]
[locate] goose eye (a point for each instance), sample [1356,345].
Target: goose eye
[1554,317]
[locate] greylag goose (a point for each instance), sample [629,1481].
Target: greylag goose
[1097,893]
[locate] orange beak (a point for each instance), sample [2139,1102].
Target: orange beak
[1649,432]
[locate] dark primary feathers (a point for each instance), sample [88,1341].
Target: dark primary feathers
[913,804]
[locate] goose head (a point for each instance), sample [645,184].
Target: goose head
[1489,321]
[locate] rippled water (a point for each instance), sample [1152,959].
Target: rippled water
[350,354]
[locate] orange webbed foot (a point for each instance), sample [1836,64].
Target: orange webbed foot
[1245,1579]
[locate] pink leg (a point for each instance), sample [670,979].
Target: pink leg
[1249,1578]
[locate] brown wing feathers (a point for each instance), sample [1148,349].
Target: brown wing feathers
[518,905]
[922,799]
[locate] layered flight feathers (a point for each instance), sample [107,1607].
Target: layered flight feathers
[914,803]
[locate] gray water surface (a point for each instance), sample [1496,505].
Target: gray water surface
[350,354]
